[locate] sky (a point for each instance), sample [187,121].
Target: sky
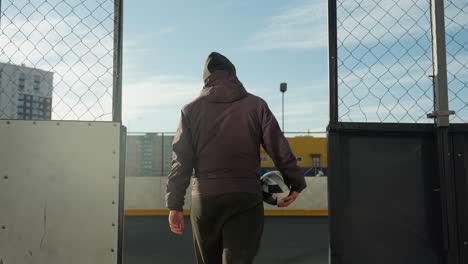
[384,57]
[270,42]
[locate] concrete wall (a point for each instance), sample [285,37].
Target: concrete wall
[148,193]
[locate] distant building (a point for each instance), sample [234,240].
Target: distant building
[25,93]
[310,152]
[149,155]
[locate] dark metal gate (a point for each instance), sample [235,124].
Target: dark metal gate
[398,180]
[458,134]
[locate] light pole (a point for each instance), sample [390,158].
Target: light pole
[283,89]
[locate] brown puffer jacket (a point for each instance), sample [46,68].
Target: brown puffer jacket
[218,143]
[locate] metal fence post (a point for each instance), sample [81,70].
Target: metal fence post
[117,81]
[162,153]
[441,114]
[1,14]
[332,61]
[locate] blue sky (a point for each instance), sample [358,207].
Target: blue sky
[384,56]
[166,43]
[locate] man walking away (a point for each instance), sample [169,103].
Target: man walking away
[218,143]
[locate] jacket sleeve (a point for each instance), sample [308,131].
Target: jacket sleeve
[276,145]
[182,166]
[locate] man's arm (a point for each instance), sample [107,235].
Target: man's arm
[182,166]
[276,145]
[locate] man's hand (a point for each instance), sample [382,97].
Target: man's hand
[176,222]
[289,200]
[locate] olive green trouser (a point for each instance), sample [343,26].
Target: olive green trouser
[227,228]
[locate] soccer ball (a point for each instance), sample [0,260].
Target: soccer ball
[274,188]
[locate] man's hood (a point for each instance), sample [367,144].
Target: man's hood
[221,83]
[217,62]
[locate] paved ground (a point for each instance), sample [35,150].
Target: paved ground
[294,240]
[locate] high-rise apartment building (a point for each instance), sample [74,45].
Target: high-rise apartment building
[25,93]
[149,154]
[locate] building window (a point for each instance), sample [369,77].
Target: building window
[315,160]
[299,159]
[263,159]
[21,80]
[36,82]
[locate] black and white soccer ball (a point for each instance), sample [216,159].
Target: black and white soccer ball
[274,188]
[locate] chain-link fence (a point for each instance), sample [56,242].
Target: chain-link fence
[57,59]
[384,61]
[456,24]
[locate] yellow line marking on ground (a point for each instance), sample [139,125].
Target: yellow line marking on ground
[268,212]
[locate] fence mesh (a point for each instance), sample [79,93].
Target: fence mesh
[384,61]
[56,59]
[456,24]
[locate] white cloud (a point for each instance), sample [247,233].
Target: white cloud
[400,92]
[299,27]
[305,108]
[375,22]
[133,50]
[385,58]
[401,112]
[303,113]
[157,92]
[456,15]
[367,22]
[387,21]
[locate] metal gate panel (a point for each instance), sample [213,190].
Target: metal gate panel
[384,205]
[379,61]
[60,192]
[459,137]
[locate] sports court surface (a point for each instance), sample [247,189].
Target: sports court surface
[286,239]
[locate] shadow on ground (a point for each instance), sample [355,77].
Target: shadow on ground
[300,239]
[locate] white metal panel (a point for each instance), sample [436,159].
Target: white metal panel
[149,193]
[59,192]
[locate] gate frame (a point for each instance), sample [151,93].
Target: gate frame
[444,142]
